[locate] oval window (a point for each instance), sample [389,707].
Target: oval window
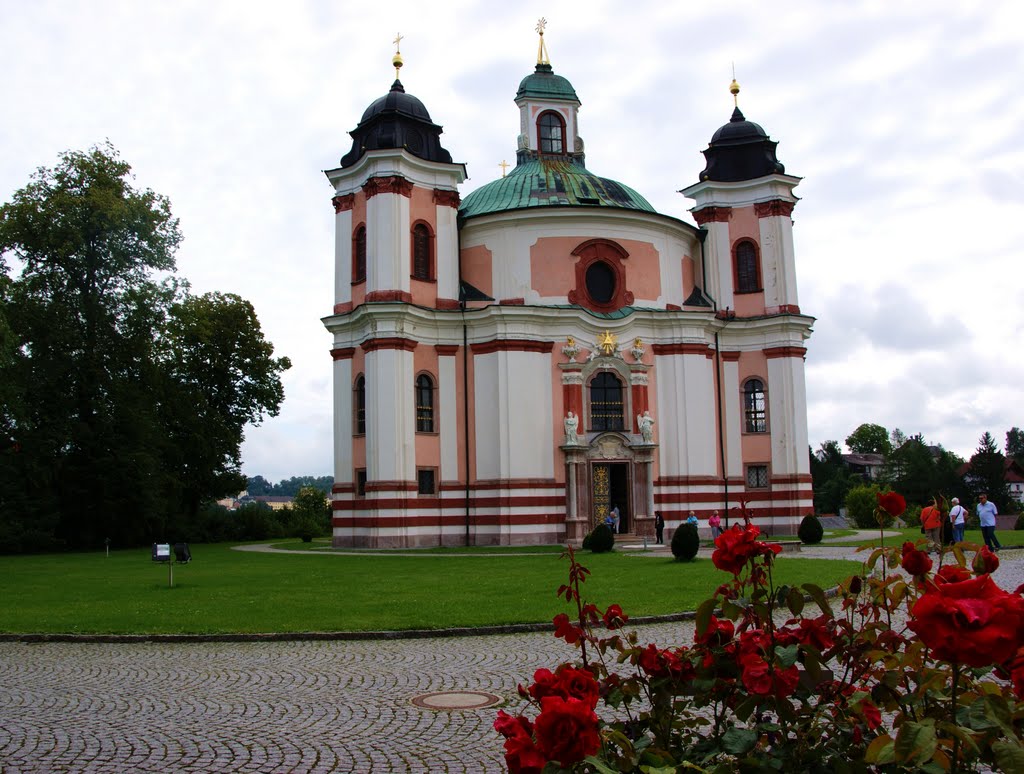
[601,282]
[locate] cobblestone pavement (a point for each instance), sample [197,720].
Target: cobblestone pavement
[318,706]
[262,706]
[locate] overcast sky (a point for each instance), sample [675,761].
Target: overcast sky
[904,119]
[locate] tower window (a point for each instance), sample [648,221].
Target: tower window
[551,133]
[422,248]
[606,402]
[748,278]
[359,254]
[424,404]
[755,413]
[757,476]
[359,405]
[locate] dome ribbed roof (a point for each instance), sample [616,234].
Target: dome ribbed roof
[542,83]
[397,120]
[398,101]
[551,183]
[740,150]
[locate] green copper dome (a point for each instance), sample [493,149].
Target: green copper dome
[551,183]
[542,83]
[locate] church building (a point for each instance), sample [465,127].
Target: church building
[512,365]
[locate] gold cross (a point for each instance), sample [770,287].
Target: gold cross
[504,165]
[541,24]
[398,42]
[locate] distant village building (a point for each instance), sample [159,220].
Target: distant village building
[510,367]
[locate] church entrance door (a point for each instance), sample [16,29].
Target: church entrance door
[610,488]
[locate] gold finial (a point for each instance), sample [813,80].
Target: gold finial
[396,60]
[504,165]
[607,342]
[734,88]
[542,51]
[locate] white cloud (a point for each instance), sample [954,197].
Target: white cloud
[908,234]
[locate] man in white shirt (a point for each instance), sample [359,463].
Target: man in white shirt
[958,518]
[987,513]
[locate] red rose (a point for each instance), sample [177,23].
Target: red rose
[614,618]
[951,573]
[915,562]
[972,621]
[1013,670]
[717,634]
[985,562]
[566,730]
[892,503]
[737,546]
[871,714]
[815,632]
[567,682]
[521,754]
[761,680]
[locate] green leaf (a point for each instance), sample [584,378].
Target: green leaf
[739,741]
[600,766]
[818,595]
[795,601]
[1009,756]
[787,656]
[704,612]
[880,751]
[915,742]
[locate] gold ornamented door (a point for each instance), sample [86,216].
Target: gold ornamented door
[601,492]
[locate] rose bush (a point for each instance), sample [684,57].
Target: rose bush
[921,673]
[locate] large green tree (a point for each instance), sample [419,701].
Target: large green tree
[831,478]
[869,439]
[111,428]
[988,473]
[1015,443]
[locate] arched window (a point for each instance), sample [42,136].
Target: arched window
[748,279]
[424,404]
[551,133]
[422,249]
[359,254]
[755,413]
[359,405]
[606,402]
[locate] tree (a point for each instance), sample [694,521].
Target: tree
[987,473]
[1015,444]
[830,477]
[910,469]
[869,439]
[116,423]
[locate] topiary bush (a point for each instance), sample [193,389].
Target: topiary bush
[601,539]
[861,502]
[810,531]
[685,542]
[1019,524]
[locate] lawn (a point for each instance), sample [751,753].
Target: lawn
[1007,537]
[224,590]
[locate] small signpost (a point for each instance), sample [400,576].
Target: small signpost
[162,553]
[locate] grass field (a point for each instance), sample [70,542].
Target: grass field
[224,590]
[1007,537]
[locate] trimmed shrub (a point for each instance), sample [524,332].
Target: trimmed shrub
[861,502]
[685,542]
[810,531]
[912,516]
[602,539]
[1019,524]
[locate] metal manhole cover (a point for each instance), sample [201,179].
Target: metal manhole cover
[456,700]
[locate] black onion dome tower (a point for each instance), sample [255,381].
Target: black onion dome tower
[397,120]
[740,150]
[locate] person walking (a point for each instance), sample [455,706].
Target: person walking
[615,519]
[958,518]
[931,520]
[987,513]
[659,527]
[715,522]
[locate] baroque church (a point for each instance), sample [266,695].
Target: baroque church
[512,365]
